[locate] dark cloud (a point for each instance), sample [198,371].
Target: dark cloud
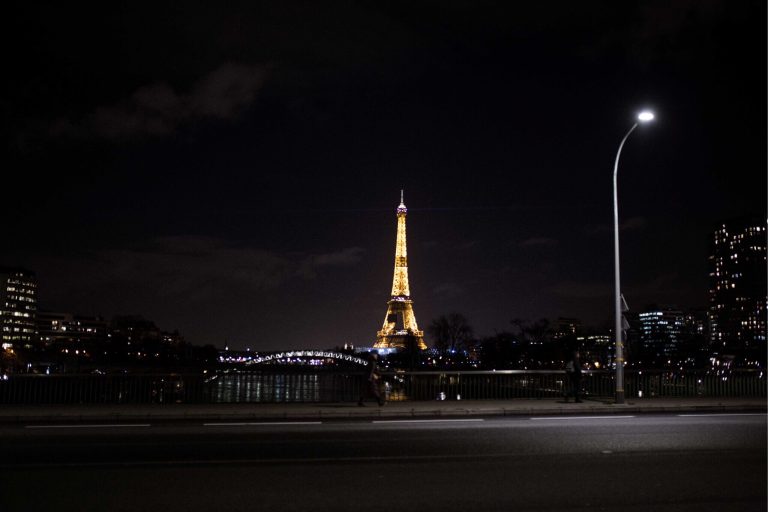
[448,290]
[582,290]
[158,110]
[663,33]
[310,266]
[631,224]
[662,289]
[634,223]
[538,242]
[186,270]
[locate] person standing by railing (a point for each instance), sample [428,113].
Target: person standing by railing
[573,372]
[373,380]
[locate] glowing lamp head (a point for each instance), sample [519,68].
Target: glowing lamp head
[645,116]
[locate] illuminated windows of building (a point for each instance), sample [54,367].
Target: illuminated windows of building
[55,327]
[737,292]
[660,331]
[18,306]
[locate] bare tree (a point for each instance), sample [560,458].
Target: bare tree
[536,332]
[539,348]
[450,332]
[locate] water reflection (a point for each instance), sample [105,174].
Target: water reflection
[260,387]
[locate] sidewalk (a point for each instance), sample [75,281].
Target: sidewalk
[10,414]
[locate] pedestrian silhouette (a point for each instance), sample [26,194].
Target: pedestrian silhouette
[573,373]
[372,386]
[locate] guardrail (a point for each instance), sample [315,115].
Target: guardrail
[322,386]
[510,384]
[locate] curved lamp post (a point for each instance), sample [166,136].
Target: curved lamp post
[643,117]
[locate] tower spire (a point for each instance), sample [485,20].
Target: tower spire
[400,329]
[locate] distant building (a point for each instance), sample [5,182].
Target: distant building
[667,335]
[55,327]
[597,350]
[567,327]
[696,323]
[18,306]
[172,338]
[661,330]
[694,340]
[737,293]
[135,328]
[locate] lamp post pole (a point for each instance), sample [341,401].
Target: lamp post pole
[619,359]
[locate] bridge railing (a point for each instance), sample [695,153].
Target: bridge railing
[539,384]
[101,389]
[256,386]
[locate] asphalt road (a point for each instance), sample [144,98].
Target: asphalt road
[633,463]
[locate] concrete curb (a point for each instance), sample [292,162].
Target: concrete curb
[351,412]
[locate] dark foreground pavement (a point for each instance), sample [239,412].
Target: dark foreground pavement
[350,411]
[631,462]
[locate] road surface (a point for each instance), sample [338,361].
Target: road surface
[672,462]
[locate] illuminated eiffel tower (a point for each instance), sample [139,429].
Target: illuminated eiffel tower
[400,330]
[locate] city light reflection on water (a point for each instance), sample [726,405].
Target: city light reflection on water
[257,387]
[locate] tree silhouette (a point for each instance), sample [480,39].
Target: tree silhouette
[536,332]
[450,332]
[539,348]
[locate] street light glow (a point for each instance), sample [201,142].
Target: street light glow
[646,116]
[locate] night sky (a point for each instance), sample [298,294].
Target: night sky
[233,172]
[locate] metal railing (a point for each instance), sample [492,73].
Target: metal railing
[101,389]
[323,386]
[539,384]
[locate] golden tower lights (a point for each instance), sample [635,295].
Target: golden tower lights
[400,330]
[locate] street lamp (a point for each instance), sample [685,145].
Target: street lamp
[643,117]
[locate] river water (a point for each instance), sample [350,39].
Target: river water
[256,387]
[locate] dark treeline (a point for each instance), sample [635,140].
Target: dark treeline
[542,344]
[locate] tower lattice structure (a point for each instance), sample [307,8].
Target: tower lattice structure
[400,330]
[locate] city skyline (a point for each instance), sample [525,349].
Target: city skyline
[747,249]
[232,174]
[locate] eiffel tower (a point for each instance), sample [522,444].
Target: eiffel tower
[400,330]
